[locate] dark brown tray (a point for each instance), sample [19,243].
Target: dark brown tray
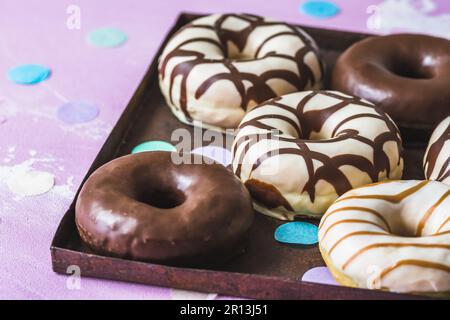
[268,269]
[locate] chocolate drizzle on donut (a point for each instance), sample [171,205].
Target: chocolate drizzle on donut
[267,194]
[312,121]
[259,90]
[434,150]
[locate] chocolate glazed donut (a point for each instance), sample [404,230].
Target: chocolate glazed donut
[146,207]
[406,75]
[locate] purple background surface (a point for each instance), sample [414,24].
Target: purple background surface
[32,137]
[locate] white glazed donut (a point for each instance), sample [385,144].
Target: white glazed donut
[327,144]
[436,163]
[216,67]
[392,235]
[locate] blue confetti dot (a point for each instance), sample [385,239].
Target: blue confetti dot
[153,146]
[106,38]
[77,112]
[29,73]
[297,232]
[320,9]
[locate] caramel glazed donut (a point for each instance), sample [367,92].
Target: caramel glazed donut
[146,207]
[436,162]
[297,153]
[217,67]
[391,235]
[406,75]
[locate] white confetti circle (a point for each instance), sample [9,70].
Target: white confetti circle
[31,182]
[177,294]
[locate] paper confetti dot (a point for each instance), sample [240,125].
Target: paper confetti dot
[31,182]
[319,9]
[218,154]
[77,112]
[106,38]
[297,232]
[155,145]
[319,275]
[177,294]
[29,74]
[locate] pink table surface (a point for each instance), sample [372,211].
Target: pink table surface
[32,136]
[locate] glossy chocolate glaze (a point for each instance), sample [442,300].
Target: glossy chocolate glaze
[145,207]
[406,75]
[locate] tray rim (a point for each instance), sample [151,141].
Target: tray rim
[298,289]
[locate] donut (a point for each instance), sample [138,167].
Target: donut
[216,67]
[297,153]
[391,235]
[146,207]
[406,75]
[436,162]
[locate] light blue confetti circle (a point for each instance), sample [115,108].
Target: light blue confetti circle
[320,9]
[154,145]
[106,38]
[29,74]
[297,232]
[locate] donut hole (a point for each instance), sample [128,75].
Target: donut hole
[411,69]
[163,198]
[403,231]
[239,56]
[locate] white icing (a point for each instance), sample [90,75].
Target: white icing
[288,172]
[220,106]
[352,256]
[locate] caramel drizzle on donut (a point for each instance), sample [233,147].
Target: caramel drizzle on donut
[353,256]
[429,212]
[394,245]
[396,198]
[364,209]
[443,225]
[433,154]
[358,233]
[260,90]
[313,121]
[371,233]
[417,263]
[350,221]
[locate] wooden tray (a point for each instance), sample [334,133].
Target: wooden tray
[268,269]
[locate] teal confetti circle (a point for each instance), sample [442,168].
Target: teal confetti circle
[319,9]
[297,232]
[29,74]
[106,38]
[154,145]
